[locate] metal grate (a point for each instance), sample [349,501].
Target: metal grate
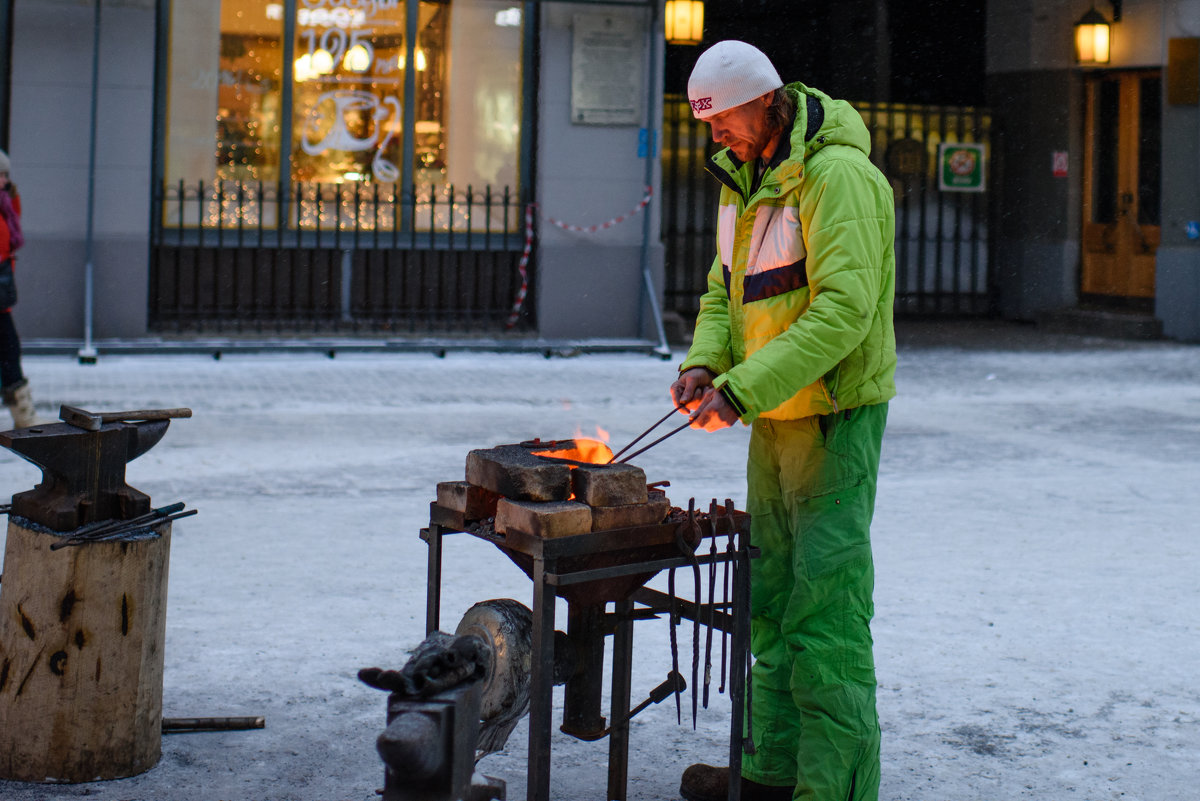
[941,237]
[689,207]
[354,258]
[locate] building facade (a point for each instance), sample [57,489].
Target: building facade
[1097,167]
[371,168]
[367,168]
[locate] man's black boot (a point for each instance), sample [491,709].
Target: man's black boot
[707,783]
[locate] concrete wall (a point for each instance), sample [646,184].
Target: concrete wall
[590,284]
[1036,216]
[49,136]
[1177,301]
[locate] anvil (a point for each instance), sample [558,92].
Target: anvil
[83,472]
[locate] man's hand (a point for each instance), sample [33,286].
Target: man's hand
[688,390]
[713,412]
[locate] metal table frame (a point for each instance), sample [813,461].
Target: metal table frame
[548,574]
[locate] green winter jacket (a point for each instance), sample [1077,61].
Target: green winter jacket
[797,319]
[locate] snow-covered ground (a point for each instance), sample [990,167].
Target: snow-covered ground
[1036,538]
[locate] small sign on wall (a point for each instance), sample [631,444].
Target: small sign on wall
[1059,161]
[960,166]
[1183,70]
[607,69]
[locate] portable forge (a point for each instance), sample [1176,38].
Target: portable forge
[593,533]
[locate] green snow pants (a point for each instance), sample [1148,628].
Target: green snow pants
[811,495]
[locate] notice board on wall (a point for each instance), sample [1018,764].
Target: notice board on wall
[608,68]
[1183,71]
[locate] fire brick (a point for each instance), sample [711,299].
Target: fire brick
[474,503]
[610,485]
[545,520]
[515,472]
[635,514]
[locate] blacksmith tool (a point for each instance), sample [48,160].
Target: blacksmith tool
[170,725]
[638,438]
[83,469]
[698,595]
[674,615]
[675,684]
[725,589]
[433,722]
[92,421]
[712,586]
[104,531]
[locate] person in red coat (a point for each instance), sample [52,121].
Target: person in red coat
[14,386]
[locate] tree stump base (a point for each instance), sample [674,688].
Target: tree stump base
[81,655]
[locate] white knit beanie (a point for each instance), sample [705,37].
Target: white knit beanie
[729,74]
[5,164]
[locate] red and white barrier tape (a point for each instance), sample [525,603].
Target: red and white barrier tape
[591,229]
[522,266]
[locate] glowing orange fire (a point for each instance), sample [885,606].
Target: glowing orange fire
[586,449]
[592,451]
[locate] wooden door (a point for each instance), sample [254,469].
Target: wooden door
[1121,185]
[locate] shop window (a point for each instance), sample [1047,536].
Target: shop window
[323,141]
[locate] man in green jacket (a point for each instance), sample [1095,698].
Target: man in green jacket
[795,339]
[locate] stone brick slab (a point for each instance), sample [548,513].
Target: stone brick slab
[635,514]
[473,502]
[609,485]
[515,472]
[545,520]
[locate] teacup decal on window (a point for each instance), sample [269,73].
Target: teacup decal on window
[339,113]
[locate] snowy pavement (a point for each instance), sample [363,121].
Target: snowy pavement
[1036,539]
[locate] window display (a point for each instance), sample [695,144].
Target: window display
[330,139]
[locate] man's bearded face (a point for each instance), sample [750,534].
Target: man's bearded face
[743,129]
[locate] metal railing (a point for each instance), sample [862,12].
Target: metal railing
[942,250]
[350,258]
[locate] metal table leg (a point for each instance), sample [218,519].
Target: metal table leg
[582,705]
[622,679]
[739,659]
[541,691]
[433,579]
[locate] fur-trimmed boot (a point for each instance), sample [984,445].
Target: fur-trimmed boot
[19,401]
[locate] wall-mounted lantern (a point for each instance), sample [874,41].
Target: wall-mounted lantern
[1093,37]
[684,22]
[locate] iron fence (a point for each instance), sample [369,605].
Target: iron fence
[689,207]
[941,244]
[353,258]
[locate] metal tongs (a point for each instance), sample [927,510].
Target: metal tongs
[683,409]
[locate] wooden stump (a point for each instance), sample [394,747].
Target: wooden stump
[81,656]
